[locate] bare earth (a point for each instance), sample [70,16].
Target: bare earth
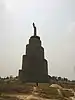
[30,97]
[34,95]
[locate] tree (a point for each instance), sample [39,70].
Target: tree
[59,78]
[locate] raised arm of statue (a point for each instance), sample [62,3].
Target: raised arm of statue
[34,29]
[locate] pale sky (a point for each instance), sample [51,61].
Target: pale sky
[55,22]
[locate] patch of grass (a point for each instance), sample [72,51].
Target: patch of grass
[8,98]
[67,85]
[15,88]
[48,92]
[67,93]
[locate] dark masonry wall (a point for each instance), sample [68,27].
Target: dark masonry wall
[34,65]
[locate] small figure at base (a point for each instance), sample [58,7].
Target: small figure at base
[37,84]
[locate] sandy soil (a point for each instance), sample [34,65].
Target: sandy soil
[34,95]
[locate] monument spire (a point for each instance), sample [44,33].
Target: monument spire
[34,65]
[34,29]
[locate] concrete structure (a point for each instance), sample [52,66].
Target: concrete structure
[34,65]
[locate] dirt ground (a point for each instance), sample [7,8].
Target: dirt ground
[53,92]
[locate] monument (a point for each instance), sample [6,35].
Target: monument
[34,65]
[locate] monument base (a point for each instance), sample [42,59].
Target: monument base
[33,78]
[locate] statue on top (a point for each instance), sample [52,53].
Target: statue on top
[34,29]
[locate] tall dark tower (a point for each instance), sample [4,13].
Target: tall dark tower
[34,65]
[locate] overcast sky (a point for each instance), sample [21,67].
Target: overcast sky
[55,22]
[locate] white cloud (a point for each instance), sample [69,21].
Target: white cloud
[71,27]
